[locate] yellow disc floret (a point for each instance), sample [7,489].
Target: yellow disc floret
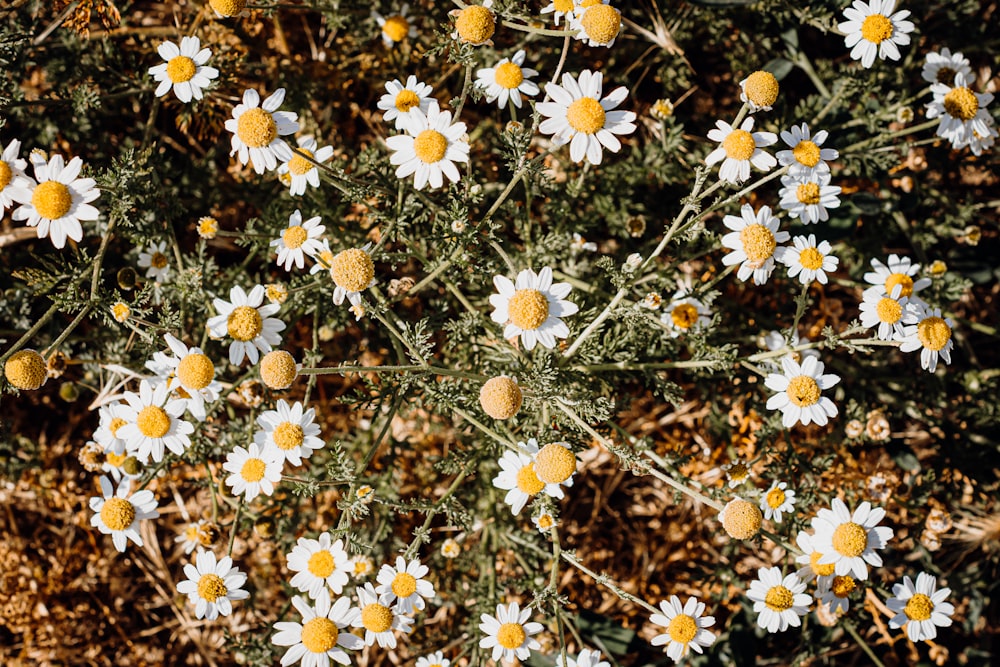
[321,564]
[761,88]
[396,28]
[406,100]
[933,333]
[475,24]
[153,421]
[500,397]
[820,570]
[288,435]
[758,243]
[803,391]
[806,153]
[850,539]
[554,463]
[25,369]
[602,23]
[842,586]
[430,146]
[6,174]
[682,629]
[256,128]
[404,585]
[244,323]
[228,7]
[211,587]
[918,607]
[277,369]
[181,69]
[319,634]
[528,309]
[961,103]
[294,236]
[299,165]
[208,227]
[807,193]
[895,279]
[888,310]
[376,617]
[779,599]
[811,258]
[253,470]
[158,260]
[585,115]
[739,145]
[527,480]
[196,371]
[876,28]
[511,635]
[52,200]
[508,75]
[117,513]
[741,519]
[775,498]
[352,269]
[684,316]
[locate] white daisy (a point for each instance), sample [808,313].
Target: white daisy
[254,471]
[559,9]
[378,618]
[395,28]
[435,659]
[780,602]
[808,200]
[190,373]
[321,636]
[596,23]
[850,541]
[835,591]
[759,91]
[777,500]
[942,67]
[754,243]
[686,627]
[809,261]
[579,116]
[898,271]
[806,159]
[872,29]
[211,586]
[737,472]
[962,111]
[430,147]
[517,477]
[740,148]
[983,142]
[400,99]
[809,558]
[926,330]
[257,130]
[153,423]
[247,322]
[405,583]
[920,607]
[544,521]
[474,24]
[298,240]
[532,307]
[508,80]
[118,514]
[319,564]
[509,633]
[184,70]
[112,417]
[685,314]
[587,658]
[299,172]
[11,173]
[353,271]
[194,535]
[155,261]
[362,566]
[554,465]
[798,390]
[290,430]
[884,311]
[59,200]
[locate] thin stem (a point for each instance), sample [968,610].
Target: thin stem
[30,333]
[851,630]
[466,87]
[69,329]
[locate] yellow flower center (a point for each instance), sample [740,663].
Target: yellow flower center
[207,227]
[153,421]
[319,635]
[256,128]
[158,260]
[824,570]
[876,28]
[294,236]
[527,480]
[739,145]
[807,193]
[918,607]
[115,460]
[850,539]
[842,586]
[682,629]
[511,635]
[528,309]
[253,470]
[181,69]
[117,513]
[554,464]
[741,519]
[430,146]
[563,6]
[352,269]
[321,564]
[288,435]
[396,28]
[52,200]
[116,424]
[806,153]
[508,75]
[585,115]
[404,585]
[933,333]
[196,371]
[961,103]
[684,316]
[211,587]
[228,7]
[244,323]
[888,310]
[500,397]
[298,165]
[811,258]
[946,75]
[277,369]
[601,23]
[779,599]
[25,369]
[545,521]
[406,100]
[475,24]
[899,279]
[758,243]
[775,498]
[6,174]
[761,88]
[738,472]
[120,311]
[376,617]
[803,391]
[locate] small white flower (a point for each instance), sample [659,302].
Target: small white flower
[190,370]
[554,465]
[942,67]
[298,240]
[531,307]
[926,330]
[153,423]
[780,602]
[114,465]
[962,112]
[508,80]
[872,29]
[777,500]
[155,261]
[11,173]
[249,323]
[686,627]
[118,514]
[798,390]
[809,261]
[405,583]
[685,314]
[193,536]
[300,172]
[806,159]
[921,607]
[321,636]
[400,99]
[884,311]
[898,271]
[257,130]
[396,27]
[58,202]
[435,659]
[212,586]
[808,200]
[850,541]
[319,564]
[517,477]
[185,69]
[835,591]
[740,148]
[254,471]
[430,148]
[112,417]
[754,243]
[290,430]
[352,270]
[596,23]
[580,244]
[544,521]
[378,618]
[810,558]
[509,634]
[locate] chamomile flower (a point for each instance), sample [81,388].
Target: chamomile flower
[153,423]
[686,627]
[926,330]
[737,472]
[873,29]
[809,261]
[405,583]
[850,541]
[58,202]
[508,80]
[517,477]
[155,261]
[11,173]
[299,171]
[362,566]
[586,658]
[884,311]
[378,618]
[249,323]
[451,548]
[257,130]
[228,8]
[780,602]
[596,23]
[898,271]
[290,430]
[435,659]
[921,607]
[321,636]
[685,314]
[962,111]
[532,307]
[544,521]
[554,465]
[212,586]
[806,159]
[754,243]
[430,147]
[399,99]
[396,27]
[740,148]
[319,564]
[580,116]
[777,500]
[798,394]
[509,634]
[116,513]
[759,91]
[112,417]
[352,270]
[189,371]
[560,9]
[185,69]
[197,534]
[254,471]
[122,466]
[942,67]
[835,591]
[474,24]
[298,240]
[741,519]
[809,199]
[810,559]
